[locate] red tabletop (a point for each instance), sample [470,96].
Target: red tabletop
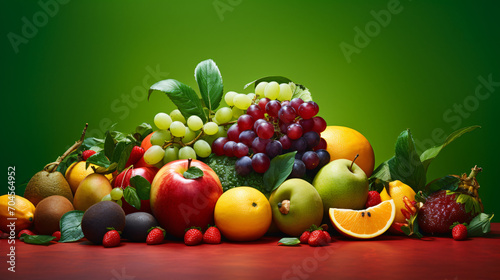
[387,257]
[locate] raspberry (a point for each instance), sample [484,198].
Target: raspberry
[373,199]
[440,212]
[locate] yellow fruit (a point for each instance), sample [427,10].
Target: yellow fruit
[243,214]
[345,142]
[397,190]
[364,224]
[22,209]
[76,172]
[91,191]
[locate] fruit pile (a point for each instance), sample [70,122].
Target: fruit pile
[265,163]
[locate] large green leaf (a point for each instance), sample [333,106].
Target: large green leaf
[279,169]
[209,81]
[183,96]
[430,154]
[406,165]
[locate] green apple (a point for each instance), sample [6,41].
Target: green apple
[296,205]
[342,184]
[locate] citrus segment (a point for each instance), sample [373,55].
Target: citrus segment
[366,223]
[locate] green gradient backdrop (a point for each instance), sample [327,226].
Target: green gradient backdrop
[87,63]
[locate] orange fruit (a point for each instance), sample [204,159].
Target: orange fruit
[345,142]
[19,208]
[397,190]
[76,172]
[146,142]
[243,214]
[364,224]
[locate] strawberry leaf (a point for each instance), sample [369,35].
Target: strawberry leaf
[289,241]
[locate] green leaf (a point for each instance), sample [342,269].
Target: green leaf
[193,172]
[63,166]
[406,165]
[142,187]
[289,241]
[377,184]
[183,96]
[98,159]
[71,226]
[280,168]
[471,204]
[117,153]
[90,142]
[37,239]
[109,145]
[106,170]
[430,154]
[124,157]
[278,79]
[443,183]
[130,195]
[300,91]
[144,129]
[480,225]
[209,81]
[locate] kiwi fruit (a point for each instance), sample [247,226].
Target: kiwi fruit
[45,184]
[48,212]
[101,216]
[137,226]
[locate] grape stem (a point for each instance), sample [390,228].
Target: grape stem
[51,167]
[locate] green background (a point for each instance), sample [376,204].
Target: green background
[91,61]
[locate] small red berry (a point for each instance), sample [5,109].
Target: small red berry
[327,236]
[135,155]
[317,238]
[459,232]
[111,239]
[57,235]
[373,199]
[155,236]
[193,237]
[212,236]
[25,231]
[87,153]
[304,237]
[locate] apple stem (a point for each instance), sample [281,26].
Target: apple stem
[350,167]
[189,162]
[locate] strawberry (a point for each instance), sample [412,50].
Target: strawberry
[57,235]
[304,237]
[111,239]
[212,235]
[155,236]
[327,236]
[27,231]
[135,155]
[87,153]
[317,238]
[459,232]
[193,236]
[373,199]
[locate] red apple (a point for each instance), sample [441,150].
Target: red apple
[123,180]
[179,203]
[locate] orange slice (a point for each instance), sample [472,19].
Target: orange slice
[366,223]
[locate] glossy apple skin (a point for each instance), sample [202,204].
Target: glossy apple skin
[123,180]
[179,203]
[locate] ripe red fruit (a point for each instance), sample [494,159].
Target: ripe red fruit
[317,238]
[212,236]
[135,155]
[111,239]
[327,236]
[87,153]
[440,212]
[304,237]
[193,237]
[373,199]
[57,235]
[459,232]
[155,236]
[27,231]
